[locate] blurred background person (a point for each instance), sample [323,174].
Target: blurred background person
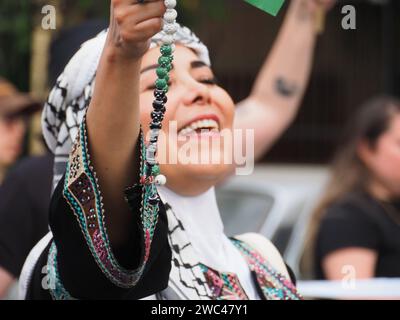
[25,193]
[24,201]
[356,227]
[15,108]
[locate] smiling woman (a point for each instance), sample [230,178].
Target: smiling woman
[125,225]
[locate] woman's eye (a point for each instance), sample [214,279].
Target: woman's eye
[212,81]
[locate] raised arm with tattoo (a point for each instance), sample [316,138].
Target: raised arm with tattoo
[282,81]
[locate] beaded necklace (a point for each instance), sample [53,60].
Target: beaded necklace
[152,174]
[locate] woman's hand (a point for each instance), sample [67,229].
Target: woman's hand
[132,24]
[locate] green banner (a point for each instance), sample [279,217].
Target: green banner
[269,6]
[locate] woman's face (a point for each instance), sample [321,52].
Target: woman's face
[384,158]
[12,131]
[191,148]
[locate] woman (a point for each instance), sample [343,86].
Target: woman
[163,242]
[358,220]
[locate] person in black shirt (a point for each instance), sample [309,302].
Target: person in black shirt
[24,202]
[357,225]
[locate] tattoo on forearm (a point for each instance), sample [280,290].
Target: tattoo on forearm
[285,88]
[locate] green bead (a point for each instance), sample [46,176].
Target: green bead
[166,50]
[162,72]
[164,61]
[155,170]
[161,84]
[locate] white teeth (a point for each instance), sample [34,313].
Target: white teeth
[200,124]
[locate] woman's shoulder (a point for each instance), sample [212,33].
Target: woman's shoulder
[267,250]
[352,206]
[352,221]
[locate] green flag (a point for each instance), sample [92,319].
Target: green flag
[269,6]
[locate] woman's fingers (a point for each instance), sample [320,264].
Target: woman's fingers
[133,24]
[131,16]
[143,31]
[137,13]
[150,27]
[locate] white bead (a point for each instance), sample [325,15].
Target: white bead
[160,180]
[151,153]
[170,4]
[170,28]
[170,15]
[154,133]
[168,39]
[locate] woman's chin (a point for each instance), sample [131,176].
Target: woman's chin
[194,179]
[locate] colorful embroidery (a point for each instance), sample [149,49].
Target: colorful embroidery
[224,286]
[82,192]
[273,285]
[191,279]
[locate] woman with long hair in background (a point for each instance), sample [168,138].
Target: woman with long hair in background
[356,227]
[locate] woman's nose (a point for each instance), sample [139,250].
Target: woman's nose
[197,93]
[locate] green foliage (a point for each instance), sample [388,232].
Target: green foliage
[15,29]
[74,11]
[190,12]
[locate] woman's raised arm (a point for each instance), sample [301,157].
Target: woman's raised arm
[113,115]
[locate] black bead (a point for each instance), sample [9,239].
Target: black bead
[159,94]
[158,104]
[155,125]
[163,109]
[157,116]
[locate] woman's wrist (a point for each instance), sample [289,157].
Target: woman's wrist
[115,56]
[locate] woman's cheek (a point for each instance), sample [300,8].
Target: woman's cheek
[226,105]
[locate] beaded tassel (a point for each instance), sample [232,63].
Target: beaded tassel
[160,93]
